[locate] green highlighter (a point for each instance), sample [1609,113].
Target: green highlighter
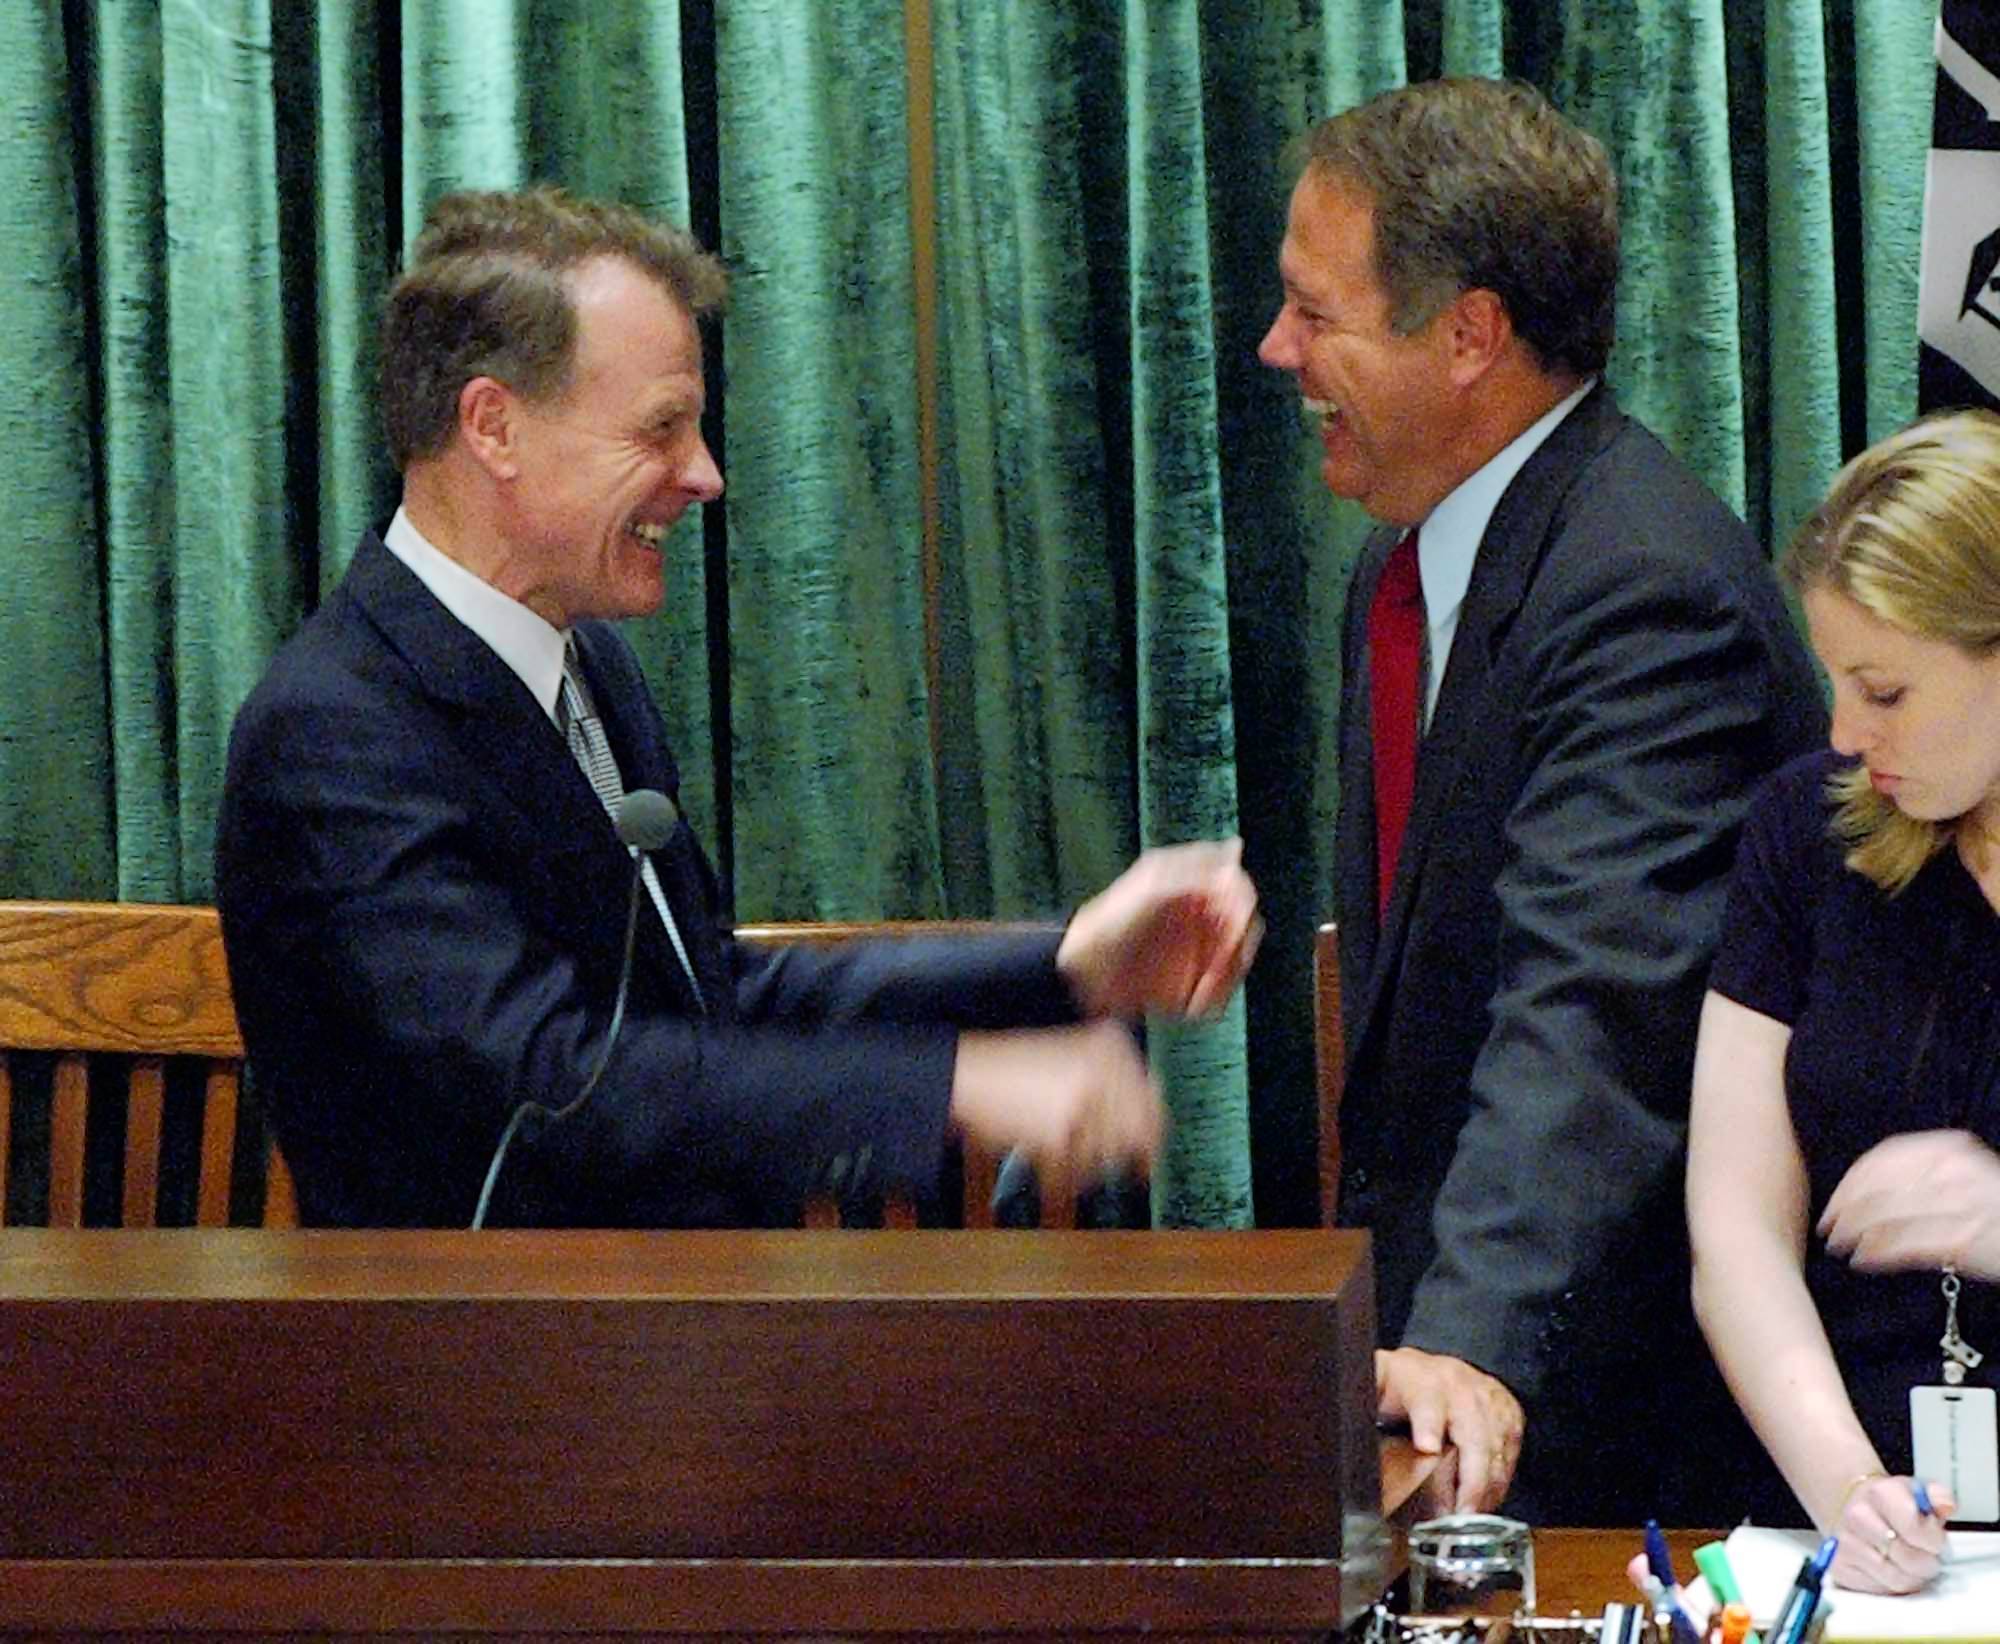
[1713,1562]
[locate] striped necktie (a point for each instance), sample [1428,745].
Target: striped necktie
[576,718]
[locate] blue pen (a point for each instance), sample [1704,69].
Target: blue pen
[1658,1559]
[1661,1563]
[1796,1617]
[1922,1492]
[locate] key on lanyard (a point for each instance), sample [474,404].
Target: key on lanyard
[1959,1354]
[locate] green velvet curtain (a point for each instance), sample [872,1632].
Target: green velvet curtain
[1116,627]
[835,809]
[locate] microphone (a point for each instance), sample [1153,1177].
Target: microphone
[645,821]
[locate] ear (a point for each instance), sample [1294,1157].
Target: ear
[489,424]
[1479,330]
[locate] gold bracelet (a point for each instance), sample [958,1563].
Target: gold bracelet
[1847,1495]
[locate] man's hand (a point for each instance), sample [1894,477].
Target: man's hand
[1446,1400]
[1173,933]
[1076,1096]
[1923,1200]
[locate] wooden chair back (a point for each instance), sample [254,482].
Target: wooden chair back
[141,985]
[132,987]
[128,987]
[1329,1065]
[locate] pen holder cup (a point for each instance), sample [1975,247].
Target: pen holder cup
[1472,1564]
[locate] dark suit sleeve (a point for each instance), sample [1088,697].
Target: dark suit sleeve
[999,980]
[1645,737]
[415,955]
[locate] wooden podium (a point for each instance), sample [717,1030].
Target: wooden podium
[692,1434]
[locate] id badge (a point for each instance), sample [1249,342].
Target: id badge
[1954,1442]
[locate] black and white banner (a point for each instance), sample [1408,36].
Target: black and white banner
[1958,305]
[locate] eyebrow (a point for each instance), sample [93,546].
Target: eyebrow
[1296,287]
[680,404]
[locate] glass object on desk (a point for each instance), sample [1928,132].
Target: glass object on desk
[1472,1564]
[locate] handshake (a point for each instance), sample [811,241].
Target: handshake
[1172,936]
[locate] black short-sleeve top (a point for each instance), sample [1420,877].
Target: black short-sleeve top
[1895,1025]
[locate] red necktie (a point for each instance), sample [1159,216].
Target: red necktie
[1395,681]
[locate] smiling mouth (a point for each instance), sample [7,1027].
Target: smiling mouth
[648,532]
[1323,414]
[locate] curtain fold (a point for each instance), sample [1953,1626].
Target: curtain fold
[464,99]
[1802,423]
[354,248]
[1184,712]
[56,824]
[235,576]
[1891,129]
[1035,778]
[1644,78]
[836,812]
[135,444]
[1474,38]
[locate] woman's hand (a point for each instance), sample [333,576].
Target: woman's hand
[1886,1545]
[1930,1199]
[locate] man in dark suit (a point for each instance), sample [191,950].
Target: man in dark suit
[1565,669]
[424,897]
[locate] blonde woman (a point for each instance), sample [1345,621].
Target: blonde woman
[1843,1183]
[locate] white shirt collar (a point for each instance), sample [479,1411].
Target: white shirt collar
[520,638]
[1449,538]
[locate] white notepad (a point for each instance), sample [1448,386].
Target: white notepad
[1962,1604]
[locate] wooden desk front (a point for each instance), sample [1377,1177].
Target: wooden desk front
[1584,1570]
[344,1434]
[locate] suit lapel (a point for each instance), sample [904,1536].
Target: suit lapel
[506,732]
[1504,569]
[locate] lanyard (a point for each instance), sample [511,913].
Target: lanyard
[1959,1354]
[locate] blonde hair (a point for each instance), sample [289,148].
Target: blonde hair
[1910,531]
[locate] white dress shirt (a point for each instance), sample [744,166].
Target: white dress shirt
[1448,540]
[520,638]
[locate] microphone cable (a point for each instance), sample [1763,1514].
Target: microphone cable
[645,821]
